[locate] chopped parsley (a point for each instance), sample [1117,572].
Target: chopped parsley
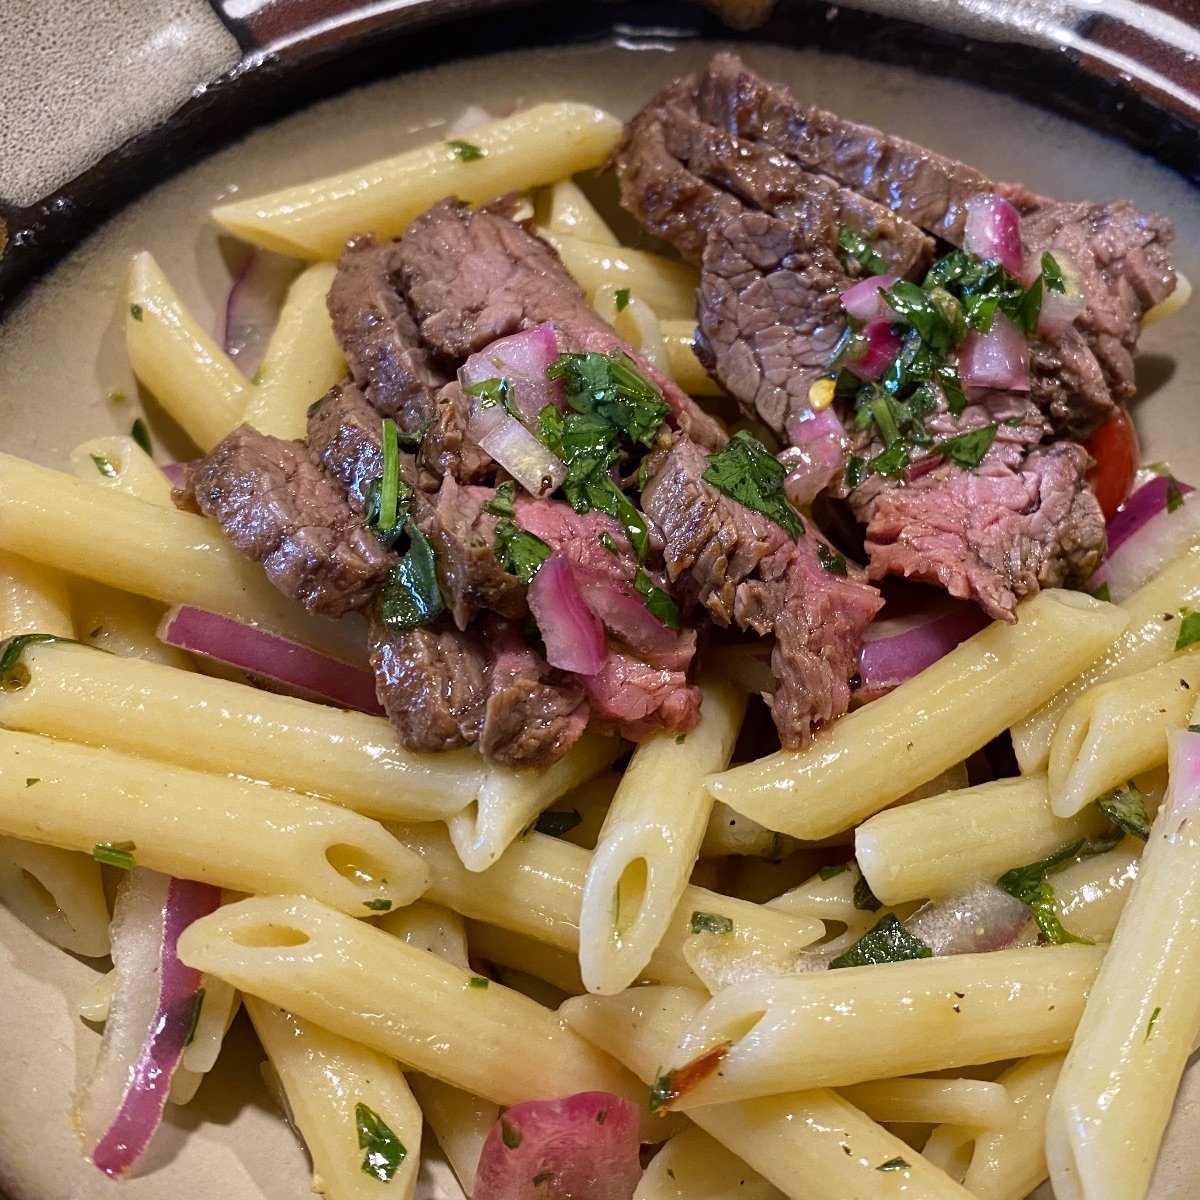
[1151,1023]
[510,1135]
[606,540]
[378,905]
[1029,885]
[384,1150]
[893,1164]
[681,739]
[865,900]
[389,483]
[661,604]
[14,675]
[1052,276]
[621,299]
[886,941]
[502,503]
[519,552]
[140,434]
[555,824]
[854,249]
[831,872]
[32,780]
[467,151]
[494,393]
[104,466]
[197,1008]
[115,854]
[1125,807]
[967,449]
[135,311]
[410,597]
[1189,629]
[478,982]
[260,373]
[1174,494]
[830,559]
[747,471]
[1102,593]
[706,922]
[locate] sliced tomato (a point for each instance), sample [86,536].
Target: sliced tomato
[1114,447]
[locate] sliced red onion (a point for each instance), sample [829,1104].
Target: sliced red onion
[521,359]
[287,665]
[1059,309]
[176,473]
[151,1017]
[863,301]
[252,307]
[896,649]
[585,1146]
[1143,537]
[534,467]
[623,611]
[573,634]
[982,918]
[818,449]
[1182,801]
[996,359]
[883,345]
[993,230]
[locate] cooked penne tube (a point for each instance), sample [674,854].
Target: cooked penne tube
[197,826]
[1089,894]
[460,1122]
[877,753]
[729,832]
[33,599]
[1008,1162]
[934,847]
[58,893]
[124,625]
[831,1028]
[667,286]
[536,887]
[177,717]
[694,1166]
[495,944]
[829,896]
[812,1145]
[176,557]
[535,146]
[679,339]
[1114,1096]
[363,984]
[977,1103]
[1119,729]
[570,212]
[650,841]
[508,801]
[217,1010]
[351,1104]
[176,359]
[302,360]
[120,463]
[637,323]
[1148,639]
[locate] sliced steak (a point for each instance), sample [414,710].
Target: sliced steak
[345,437]
[446,449]
[769,311]
[926,189]
[378,335]
[279,508]
[634,697]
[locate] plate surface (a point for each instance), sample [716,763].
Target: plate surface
[61,357]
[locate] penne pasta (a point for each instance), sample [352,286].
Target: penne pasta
[1090,894]
[976,1103]
[351,1104]
[370,987]
[694,1166]
[650,840]
[679,341]
[120,463]
[571,213]
[459,1121]
[197,826]
[876,754]
[176,359]
[534,146]
[495,944]
[832,1028]
[33,598]
[123,625]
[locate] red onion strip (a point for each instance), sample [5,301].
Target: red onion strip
[993,231]
[982,918]
[252,307]
[573,634]
[996,359]
[151,1016]
[882,346]
[1182,802]
[1143,537]
[268,656]
[583,1146]
[863,300]
[896,650]
[521,359]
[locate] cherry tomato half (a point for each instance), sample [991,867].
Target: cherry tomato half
[1114,447]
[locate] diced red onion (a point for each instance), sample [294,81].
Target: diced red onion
[863,301]
[1143,537]
[267,656]
[982,918]
[176,473]
[623,611]
[898,648]
[882,347]
[993,230]
[252,307]
[535,468]
[572,633]
[816,454]
[587,1144]
[996,359]
[151,1016]
[1182,802]
[1059,309]
[521,359]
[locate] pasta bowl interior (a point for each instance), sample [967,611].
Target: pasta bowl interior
[66,379]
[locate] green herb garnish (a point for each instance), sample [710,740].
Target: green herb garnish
[519,552]
[830,559]
[1174,494]
[864,899]
[467,151]
[831,872]
[706,922]
[746,471]
[104,466]
[555,824]
[135,311]
[478,982]
[1102,593]
[410,596]
[140,434]
[967,449]
[115,854]
[502,503]
[1052,276]
[1028,884]
[14,675]
[854,248]
[494,393]
[1151,1023]
[1189,629]
[621,299]
[1125,807]
[197,1007]
[660,603]
[384,1150]
[32,780]
[887,941]
[389,483]
[893,1164]
[378,905]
